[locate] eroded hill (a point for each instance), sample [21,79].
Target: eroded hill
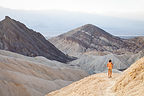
[34,76]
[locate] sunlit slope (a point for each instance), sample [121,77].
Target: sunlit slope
[128,83]
[131,82]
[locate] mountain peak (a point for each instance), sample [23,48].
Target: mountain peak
[89,37]
[89,25]
[7,20]
[87,29]
[7,17]
[16,37]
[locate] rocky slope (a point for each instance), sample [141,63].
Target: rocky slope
[16,37]
[91,39]
[131,82]
[128,83]
[33,76]
[96,64]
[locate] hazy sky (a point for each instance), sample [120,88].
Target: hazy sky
[119,8]
[53,17]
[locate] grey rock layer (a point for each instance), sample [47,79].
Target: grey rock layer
[34,76]
[91,39]
[96,64]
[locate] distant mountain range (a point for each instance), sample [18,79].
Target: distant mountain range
[89,43]
[16,37]
[92,39]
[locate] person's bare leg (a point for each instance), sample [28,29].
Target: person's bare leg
[111,73]
[108,73]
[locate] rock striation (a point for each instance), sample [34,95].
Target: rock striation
[90,39]
[97,64]
[34,76]
[16,37]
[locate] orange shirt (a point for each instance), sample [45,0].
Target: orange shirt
[110,65]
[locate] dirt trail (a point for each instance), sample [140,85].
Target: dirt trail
[108,91]
[108,84]
[95,85]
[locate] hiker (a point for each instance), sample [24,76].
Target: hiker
[110,66]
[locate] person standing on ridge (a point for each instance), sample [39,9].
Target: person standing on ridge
[110,66]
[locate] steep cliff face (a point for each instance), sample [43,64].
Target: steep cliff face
[16,37]
[89,38]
